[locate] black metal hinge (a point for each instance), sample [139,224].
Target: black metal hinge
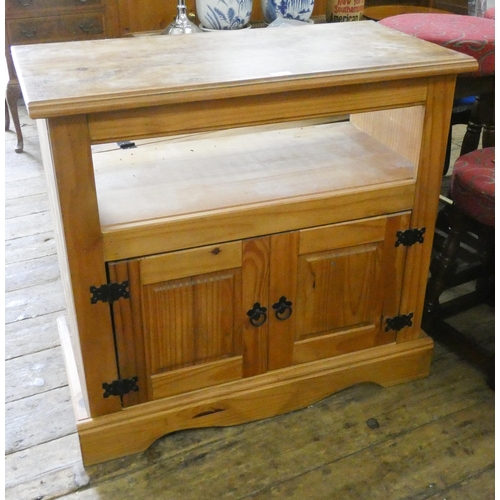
[398,322]
[109,292]
[126,144]
[410,237]
[120,387]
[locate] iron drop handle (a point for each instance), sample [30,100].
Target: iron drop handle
[257,315]
[282,309]
[29,33]
[87,26]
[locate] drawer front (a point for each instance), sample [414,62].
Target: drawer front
[37,8]
[59,29]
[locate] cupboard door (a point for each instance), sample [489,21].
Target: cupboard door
[349,279]
[187,320]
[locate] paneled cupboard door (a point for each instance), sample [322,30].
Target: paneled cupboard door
[181,329]
[343,282]
[205,316]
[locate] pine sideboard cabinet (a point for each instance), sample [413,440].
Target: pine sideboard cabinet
[244,219]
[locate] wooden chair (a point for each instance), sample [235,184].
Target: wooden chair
[472,210]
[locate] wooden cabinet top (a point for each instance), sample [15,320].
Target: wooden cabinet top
[103,75]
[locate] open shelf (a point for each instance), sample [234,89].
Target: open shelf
[187,176]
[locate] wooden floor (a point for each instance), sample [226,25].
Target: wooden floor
[429,439]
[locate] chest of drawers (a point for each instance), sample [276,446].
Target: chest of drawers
[41,21]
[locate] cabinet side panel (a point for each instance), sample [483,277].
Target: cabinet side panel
[255,290]
[62,255]
[399,129]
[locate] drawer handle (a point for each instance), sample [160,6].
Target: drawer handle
[29,33]
[257,315]
[87,27]
[25,3]
[282,309]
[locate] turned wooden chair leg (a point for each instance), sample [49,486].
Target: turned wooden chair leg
[443,265]
[485,284]
[482,120]
[488,119]
[12,96]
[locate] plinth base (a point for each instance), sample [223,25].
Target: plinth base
[134,429]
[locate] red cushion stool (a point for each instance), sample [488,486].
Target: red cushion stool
[472,212]
[490,13]
[473,185]
[474,36]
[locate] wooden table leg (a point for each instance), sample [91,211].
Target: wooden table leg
[12,96]
[7,116]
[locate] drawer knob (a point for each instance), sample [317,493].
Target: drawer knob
[88,27]
[258,315]
[30,33]
[282,309]
[25,3]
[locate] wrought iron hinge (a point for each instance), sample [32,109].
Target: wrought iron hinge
[120,387]
[109,292]
[398,322]
[410,237]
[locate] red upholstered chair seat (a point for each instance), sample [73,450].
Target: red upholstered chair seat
[473,185]
[474,36]
[490,13]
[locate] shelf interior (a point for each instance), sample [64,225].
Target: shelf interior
[182,176]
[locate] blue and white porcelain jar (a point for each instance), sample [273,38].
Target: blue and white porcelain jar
[299,10]
[224,14]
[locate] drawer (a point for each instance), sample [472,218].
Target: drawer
[57,29]
[15,9]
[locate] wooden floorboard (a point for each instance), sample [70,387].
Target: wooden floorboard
[428,439]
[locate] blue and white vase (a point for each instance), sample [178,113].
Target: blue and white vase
[224,14]
[299,10]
